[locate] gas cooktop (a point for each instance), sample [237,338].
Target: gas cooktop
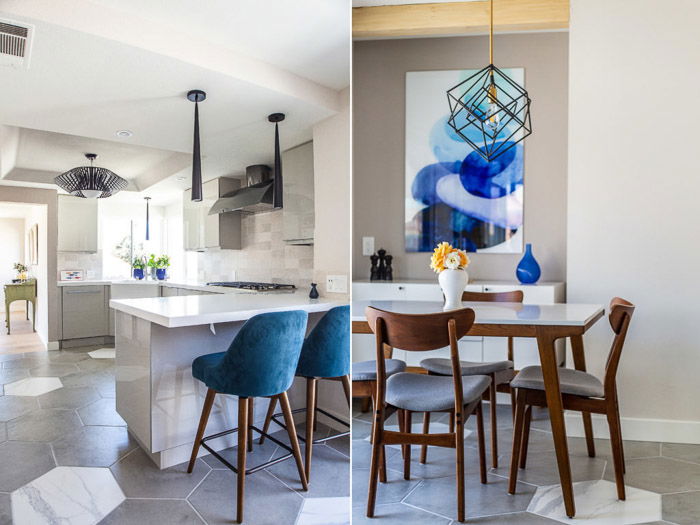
[258,287]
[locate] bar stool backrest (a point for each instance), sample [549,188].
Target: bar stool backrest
[263,356]
[326,351]
[619,317]
[420,333]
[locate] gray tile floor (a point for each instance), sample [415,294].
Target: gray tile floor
[670,472]
[77,425]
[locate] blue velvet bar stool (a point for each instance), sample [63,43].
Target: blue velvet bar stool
[259,363]
[325,355]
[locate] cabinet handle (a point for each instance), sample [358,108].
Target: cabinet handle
[401,287]
[83,291]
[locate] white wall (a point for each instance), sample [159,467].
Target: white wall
[12,242]
[37,214]
[633,199]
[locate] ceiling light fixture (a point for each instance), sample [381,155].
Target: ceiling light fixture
[490,108]
[124,133]
[148,236]
[277,177]
[196,96]
[90,182]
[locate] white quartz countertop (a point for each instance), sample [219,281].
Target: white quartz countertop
[196,310]
[190,285]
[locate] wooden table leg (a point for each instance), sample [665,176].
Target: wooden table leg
[580,364]
[546,338]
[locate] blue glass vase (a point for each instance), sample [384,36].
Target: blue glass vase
[528,271]
[138,273]
[160,274]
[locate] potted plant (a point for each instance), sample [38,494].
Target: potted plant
[151,263]
[162,264]
[21,270]
[138,264]
[451,266]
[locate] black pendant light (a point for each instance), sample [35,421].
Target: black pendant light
[277,177]
[148,234]
[90,182]
[196,96]
[490,108]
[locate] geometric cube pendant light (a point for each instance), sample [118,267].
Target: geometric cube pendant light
[491,108]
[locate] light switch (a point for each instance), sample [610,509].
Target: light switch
[367,245]
[337,284]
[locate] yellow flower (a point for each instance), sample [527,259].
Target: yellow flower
[437,261]
[464,257]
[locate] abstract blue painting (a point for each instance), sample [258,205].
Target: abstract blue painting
[452,193]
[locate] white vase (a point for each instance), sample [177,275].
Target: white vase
[453,283]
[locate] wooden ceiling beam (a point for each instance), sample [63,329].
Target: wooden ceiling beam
[458,18]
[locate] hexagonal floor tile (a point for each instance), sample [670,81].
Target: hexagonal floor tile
[53,370]
[542,468]
[15,406]
[33,386]
[330,473]
[683,509]
[43,425]
[93,446]
[597,504]
[141,511]
[5,509]
[103,353]
[101,412]
[23,462]
[67,495]
[12,375]
[325,511]
[397,514]
[660,475]
[68,398]
[681,451]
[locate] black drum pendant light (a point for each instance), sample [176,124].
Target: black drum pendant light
[148,234]
[90,182]
[277,177]
[498,116]
[196,96]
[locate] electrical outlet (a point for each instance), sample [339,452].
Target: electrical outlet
[337,284]
[367,245]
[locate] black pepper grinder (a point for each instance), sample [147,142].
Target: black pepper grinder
[381,271]
[373,273]
[313,294]
[389,270]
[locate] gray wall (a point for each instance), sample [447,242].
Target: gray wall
[379,69]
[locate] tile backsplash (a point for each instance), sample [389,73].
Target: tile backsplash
[265,257]
[90,263]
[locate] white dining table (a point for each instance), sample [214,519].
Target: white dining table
[545,322]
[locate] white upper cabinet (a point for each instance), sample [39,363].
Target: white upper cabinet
[77,224]
[203,231]
[298,194]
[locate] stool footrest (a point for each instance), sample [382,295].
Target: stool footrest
[257,467]
[321,440]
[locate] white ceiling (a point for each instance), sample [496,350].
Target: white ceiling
[125,64]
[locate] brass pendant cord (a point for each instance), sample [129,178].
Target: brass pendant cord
[491,32]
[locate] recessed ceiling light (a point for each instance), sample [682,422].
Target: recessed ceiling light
[124,133]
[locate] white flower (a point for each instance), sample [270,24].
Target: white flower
[453,261]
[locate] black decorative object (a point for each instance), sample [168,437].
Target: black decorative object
[90,182]
[374,273]
[491,106]
[313,294]
[196,96]
[277,177]
[148,235]
[389,271]
[381,270]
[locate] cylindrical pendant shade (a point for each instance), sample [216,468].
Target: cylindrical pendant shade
[277,188]
[196,160]
[148,234]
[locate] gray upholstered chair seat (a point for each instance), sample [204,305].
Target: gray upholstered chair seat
[571,381]
[367,370]
[424,393]
[443,366]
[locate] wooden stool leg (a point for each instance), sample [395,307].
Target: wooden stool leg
[426,430]
[243,405]
[374,464]
[206,410]
[459,446]
[526,436]
[315,406]
[365,404]
[588,430]
[310,420]
[482,441]
[346,388]
[512,402]
[452,422]
[494,422]
[268,417]
[382,464]
[517,440]
[407,457]
[292,431]
[251,419]
[615,442]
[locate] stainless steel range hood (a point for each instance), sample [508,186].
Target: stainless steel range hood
[255,197]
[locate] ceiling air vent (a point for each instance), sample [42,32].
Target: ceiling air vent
[15,43]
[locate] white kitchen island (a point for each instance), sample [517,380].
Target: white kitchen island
[156,341]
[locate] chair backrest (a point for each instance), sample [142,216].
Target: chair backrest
[619,317]
[326,351]
[515,296]
[263,356]
[420,333]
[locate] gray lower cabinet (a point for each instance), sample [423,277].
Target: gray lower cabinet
[84,311]
[168,291]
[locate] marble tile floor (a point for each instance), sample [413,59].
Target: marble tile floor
[662,482]
[67,458]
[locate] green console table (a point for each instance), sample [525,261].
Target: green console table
[25,291]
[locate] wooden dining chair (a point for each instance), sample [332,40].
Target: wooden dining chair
[582,392]
[500,372]
[407,392]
